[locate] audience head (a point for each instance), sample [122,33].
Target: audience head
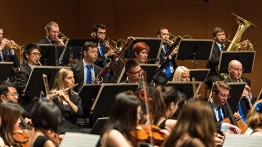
[220,92]
[8,92]
[194,120]
[141,50]
[45,116]
[181,74]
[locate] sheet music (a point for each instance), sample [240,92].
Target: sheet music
[233,140]
[79,140]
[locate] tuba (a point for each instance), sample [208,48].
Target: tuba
[235,44]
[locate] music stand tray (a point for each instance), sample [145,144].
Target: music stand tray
[155,45]
[199,74]
[106,96]
[88,95]
[195,49]
[5,70]
[247,59]
[35,83]
[186,87]
[235,93]
[149,68]
[51,54]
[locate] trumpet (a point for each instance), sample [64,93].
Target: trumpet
[11,44]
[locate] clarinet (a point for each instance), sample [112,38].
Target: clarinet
[111,63]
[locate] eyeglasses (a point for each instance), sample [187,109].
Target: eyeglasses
[140,71]
[237,69]
[36,54]
[103,33]
[225,95]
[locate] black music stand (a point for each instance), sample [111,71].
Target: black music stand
[186,87]
[6,68]
[149,68]
[51,54]
[106,96]
[98,127]
[35,83]
[199,74]
[247,58]
[235,95]
[88,95]
[195,49]
[155,45]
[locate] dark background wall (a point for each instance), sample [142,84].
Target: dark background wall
[24,21]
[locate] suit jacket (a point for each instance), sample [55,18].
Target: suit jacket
[214,61]
[173,60]
[10,58]
[78,70]
[101,58]
[47,41]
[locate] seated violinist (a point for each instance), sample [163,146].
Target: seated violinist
[220,94]
[10,131]
[254,119]
[141,50]
[46,117]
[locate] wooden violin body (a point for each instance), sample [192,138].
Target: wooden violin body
[21,136]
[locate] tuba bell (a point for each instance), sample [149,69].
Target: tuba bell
[235,44]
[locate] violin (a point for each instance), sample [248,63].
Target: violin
[22,134]
[54,138]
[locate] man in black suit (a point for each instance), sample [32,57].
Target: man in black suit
[235,71]
[133,71]
[219,45]
[220,94]
[167,73]
[86,71]
[8,55]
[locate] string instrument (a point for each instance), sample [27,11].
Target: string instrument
[54,138]
[240,123]
[110,64]
[22,134]
[148,132]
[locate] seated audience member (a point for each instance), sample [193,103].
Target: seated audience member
[193,127]
[141,50]
[32,56]
[133,71]
[165,104]
[45,117]
[220,94]
[124,117]
[254,118]
[235,71]
[10,114]
[86,71]
[68,101]
[181,74]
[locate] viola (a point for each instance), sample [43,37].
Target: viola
[21,136]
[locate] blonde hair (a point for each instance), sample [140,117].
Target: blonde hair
[254,118]
[59,79]
[178,73]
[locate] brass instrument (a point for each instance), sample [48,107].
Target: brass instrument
[11,44]
[235,44]
[63,37]
[172,38]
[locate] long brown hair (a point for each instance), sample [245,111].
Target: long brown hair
[10,112]
[194,120]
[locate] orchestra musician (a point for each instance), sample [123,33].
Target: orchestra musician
[32,56]
[235,71]
[141,50]
[182,73]
[46,117]
[68,101]
[87,66]
[7,54]
[219,45]
[104,49]
[220,94]
[133,71]
[125,115]
[52,33]
[168,71]
[254,119]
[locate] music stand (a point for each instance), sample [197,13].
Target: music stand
[97,129]
[199,74]
[149,68]
[50,54]
[247,59]
[235,93]
[259,95]
[233,140]
[195,49]
[79,140]
[186,87]
[88,94]
[5,70]
[155,45]
[35,83]
[106,96]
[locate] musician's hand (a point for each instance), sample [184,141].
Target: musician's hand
[166,131]
[62,95]
[237,116]
[110,52]
[219,139]
[60,41]
[3,43]
[174,51]
[28,121]
[234,129]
